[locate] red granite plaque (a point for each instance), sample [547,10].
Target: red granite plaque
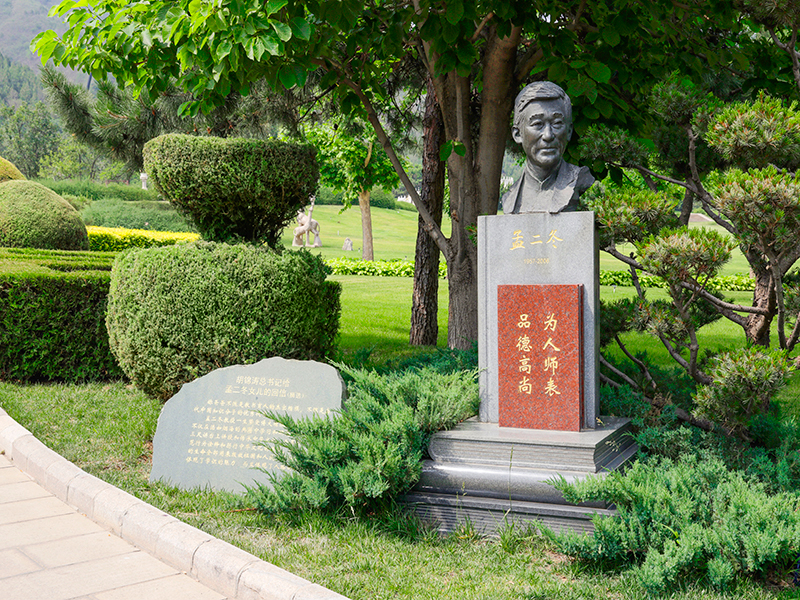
[540,353]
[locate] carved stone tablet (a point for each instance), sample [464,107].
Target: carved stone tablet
[208,433]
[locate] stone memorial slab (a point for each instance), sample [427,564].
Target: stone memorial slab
[540,356]
[536,249]
[208,433]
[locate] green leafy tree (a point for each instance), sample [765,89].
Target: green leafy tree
[354,164]
[758,206]
[478,55]
[74,160]
[28,134]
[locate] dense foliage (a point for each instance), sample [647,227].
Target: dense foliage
[52,316]
[688,516]
[371,452]
[178,312]
[233,189]
[28,134]
[32,216]
[18,83]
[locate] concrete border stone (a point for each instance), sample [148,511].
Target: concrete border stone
[59,476]
[177,544]
[219,565]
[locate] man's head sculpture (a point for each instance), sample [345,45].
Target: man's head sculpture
[543,126]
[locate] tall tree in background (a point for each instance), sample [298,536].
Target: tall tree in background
[606,54]
[28,134]
[351,161]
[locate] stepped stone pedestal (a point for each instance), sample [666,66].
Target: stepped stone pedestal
[491,475]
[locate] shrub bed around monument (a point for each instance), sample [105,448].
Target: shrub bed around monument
[179,312]
[33,216]
[233,189]
[52,316]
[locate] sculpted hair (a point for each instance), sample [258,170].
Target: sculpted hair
[541,90]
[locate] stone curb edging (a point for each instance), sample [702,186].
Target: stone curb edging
[218,565]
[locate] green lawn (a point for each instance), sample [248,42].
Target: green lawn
[394,232]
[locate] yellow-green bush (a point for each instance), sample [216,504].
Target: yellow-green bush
[8,171]
[115,239]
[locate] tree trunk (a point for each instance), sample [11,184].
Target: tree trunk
[425,297]
[686,208]
[462,276]
[758,326]
[366,226]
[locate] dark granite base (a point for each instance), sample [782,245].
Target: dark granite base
[490,475]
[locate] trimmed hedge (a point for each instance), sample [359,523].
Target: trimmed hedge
[107,239]
[233,189]
[379,268]
[33,216]
[94,190]
[8,172]
[179,312]
[738,282]
[52,316]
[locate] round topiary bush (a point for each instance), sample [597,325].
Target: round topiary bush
[233,189]
[8,171]
[176,313]
[33,216]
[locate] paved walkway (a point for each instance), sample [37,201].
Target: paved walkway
[67,535]
[48,551]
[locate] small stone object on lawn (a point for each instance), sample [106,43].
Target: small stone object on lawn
[209,433]
[348,245]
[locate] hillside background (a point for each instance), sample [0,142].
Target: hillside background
[20,21]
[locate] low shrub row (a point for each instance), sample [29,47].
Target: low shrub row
[378,268]
[52,316]
[371,451]
[150,215]
[107,239]
[405,268]
[738,282]
[99,191]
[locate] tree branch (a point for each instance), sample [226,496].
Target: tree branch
[628,260]
[721,304]
[480,27]
[659,403]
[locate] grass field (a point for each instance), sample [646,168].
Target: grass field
[394,232]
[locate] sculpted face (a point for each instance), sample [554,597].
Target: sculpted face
[543,131]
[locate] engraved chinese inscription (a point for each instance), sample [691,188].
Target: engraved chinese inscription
[539,350]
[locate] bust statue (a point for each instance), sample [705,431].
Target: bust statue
[543,125]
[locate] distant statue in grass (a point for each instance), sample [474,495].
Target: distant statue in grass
[306,227]
[348,245]
[543,125]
